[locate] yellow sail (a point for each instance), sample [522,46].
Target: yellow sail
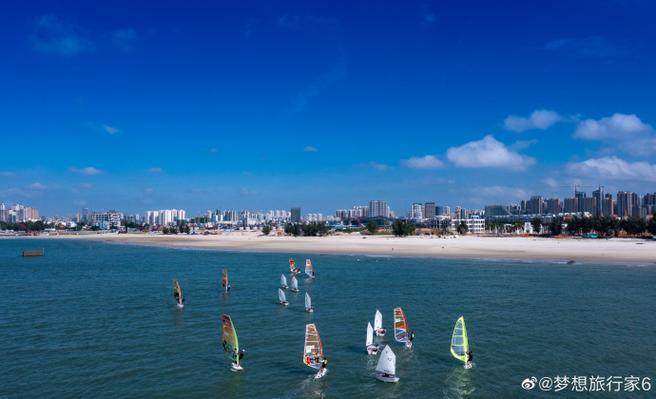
[459,341]
[229,338]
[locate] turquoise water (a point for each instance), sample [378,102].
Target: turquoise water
[97,320]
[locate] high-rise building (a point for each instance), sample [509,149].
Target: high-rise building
[579,195]
[439,210]
[588,204]
[598,196]
[417,212]
[627,204]
[429,210]
[649,203]
[535,205]
[607,208]
[342,214]
[378,208]
[571,205]
[296,215]
[553,206]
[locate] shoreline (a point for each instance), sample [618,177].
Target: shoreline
[611,251]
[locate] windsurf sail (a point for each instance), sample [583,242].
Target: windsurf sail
[281,295]
[292,266]
[400,326]
[313,351]
[224,281]
[309,270]
[378,320]
[459,341]
[177,290]
[229,338]
[387,362]
[294,283]
[308,301]
[370,334]
[283,281]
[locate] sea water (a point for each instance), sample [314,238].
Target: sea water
[91,319]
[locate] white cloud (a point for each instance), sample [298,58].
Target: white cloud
[624,131]
[425,162]
[309,148]
[155,170]
[245,191]
[7,173]
[488,153]
[522,144]
[110,129]
[38,186]
[89,170]
[613,168]
[617,126]
[378,166]
[54,36]
[501,192]
[539,119]
[550,182]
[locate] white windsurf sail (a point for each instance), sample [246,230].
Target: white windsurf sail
[294,283]
[387,362]
[378,320]
[460,341]
[370,335]
[308,301]
[281,295]
[309,269]
[313,350]
[283,281]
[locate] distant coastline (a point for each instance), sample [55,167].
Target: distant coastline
[611,251]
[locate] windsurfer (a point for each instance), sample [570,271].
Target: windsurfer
[470,358]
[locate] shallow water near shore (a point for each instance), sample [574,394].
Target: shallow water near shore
[97,319]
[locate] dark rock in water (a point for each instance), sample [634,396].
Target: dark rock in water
[570,262]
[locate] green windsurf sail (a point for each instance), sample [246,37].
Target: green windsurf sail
[459,340]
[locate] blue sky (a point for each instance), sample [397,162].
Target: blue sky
[262,105]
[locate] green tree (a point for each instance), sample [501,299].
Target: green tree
[372,227]
[633,226]
[651,225]
[266,229]
[573,226]
[556,226]
[536,223]
[402,228]
[462,228]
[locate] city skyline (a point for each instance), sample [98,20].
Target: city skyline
[322,107]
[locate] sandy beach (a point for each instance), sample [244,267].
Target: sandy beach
[516,248]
